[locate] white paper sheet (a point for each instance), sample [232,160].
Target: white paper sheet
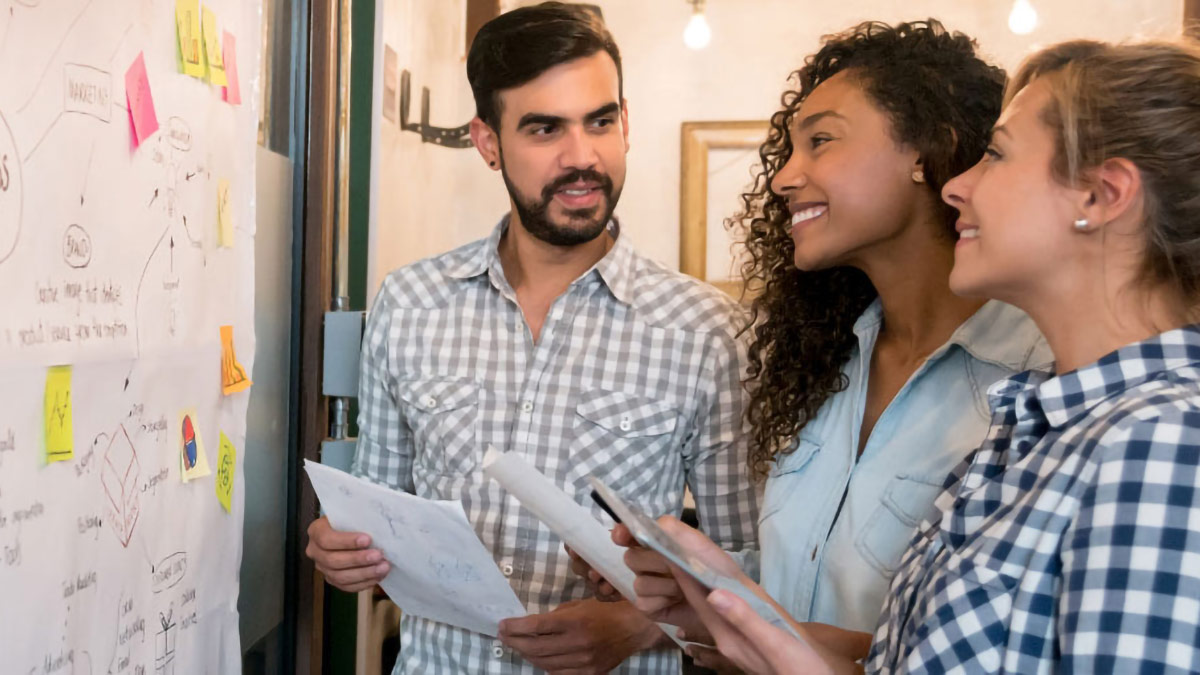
[110,263]
[440,569]
[568,519]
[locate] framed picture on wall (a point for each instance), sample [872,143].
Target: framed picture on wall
[716,160]
[391,83]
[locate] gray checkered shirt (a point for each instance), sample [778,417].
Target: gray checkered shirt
[635,378]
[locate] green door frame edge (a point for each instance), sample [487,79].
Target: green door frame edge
[342,608]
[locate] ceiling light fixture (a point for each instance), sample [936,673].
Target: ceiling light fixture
[1023,18]
[697,34]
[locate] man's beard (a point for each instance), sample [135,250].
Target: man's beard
[535,217]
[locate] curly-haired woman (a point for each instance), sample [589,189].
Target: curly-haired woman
[868,376]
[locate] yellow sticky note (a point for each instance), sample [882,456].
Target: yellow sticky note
[226,465]
[187,29]
[60,439]
[212,49]
[193,463]
[233,374]
[224,215]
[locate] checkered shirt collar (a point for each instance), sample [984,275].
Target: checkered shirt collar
[1064,398]
[615,268]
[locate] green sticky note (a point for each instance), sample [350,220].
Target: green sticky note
[226,465]
[60,439]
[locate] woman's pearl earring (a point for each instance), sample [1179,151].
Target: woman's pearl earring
[918,176]
[1081,225]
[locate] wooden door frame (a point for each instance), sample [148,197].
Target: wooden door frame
[305,587]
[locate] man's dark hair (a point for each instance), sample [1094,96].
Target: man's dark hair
[517,46]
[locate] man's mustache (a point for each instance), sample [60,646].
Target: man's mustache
[576,176]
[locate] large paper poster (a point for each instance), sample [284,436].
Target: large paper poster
[127,147]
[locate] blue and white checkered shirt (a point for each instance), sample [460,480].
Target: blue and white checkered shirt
[1070,541]
[635,378]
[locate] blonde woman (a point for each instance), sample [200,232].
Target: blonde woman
[1070,540]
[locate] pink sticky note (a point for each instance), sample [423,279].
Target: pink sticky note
[141,103]
[233,91]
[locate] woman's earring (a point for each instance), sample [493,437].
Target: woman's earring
[1081,225]
[918,176]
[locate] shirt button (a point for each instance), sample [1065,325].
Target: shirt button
[527,406]
[428,402]
[507,570]
[626,423]
[498,652]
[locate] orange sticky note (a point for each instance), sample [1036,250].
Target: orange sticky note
[212,48]
[60,437]
[233,375]
[233,91]
[139,100]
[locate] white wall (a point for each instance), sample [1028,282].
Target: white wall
[433,199]
[430,198]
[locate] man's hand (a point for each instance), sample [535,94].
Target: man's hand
[343,557]
[659,595]
[604,591]
[710,658]
[582,636]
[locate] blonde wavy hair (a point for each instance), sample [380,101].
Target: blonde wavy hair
[1141,102]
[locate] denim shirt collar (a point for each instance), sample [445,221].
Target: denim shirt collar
[996,333]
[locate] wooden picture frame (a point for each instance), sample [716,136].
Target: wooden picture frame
[697,139]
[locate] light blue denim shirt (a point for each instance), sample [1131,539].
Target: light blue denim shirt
[838,572]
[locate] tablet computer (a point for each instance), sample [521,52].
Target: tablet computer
[649,534]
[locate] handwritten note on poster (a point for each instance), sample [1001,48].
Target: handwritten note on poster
[140,101]
[187,29]
[193,463]
[233,374]
[212,48]
[226,465]
[224,215]
[233,90]
[60,443]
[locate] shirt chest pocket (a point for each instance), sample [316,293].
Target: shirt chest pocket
[906,501]
[444,417]
[785,476]
[623,439]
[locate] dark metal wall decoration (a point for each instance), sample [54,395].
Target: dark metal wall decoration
[448,137]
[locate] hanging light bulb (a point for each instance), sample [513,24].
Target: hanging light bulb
[697,34]
[1023,18]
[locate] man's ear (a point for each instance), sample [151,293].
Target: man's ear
[487,142]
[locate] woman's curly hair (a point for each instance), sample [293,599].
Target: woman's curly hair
[942,100]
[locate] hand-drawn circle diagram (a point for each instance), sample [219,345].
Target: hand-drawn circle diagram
[10,191]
